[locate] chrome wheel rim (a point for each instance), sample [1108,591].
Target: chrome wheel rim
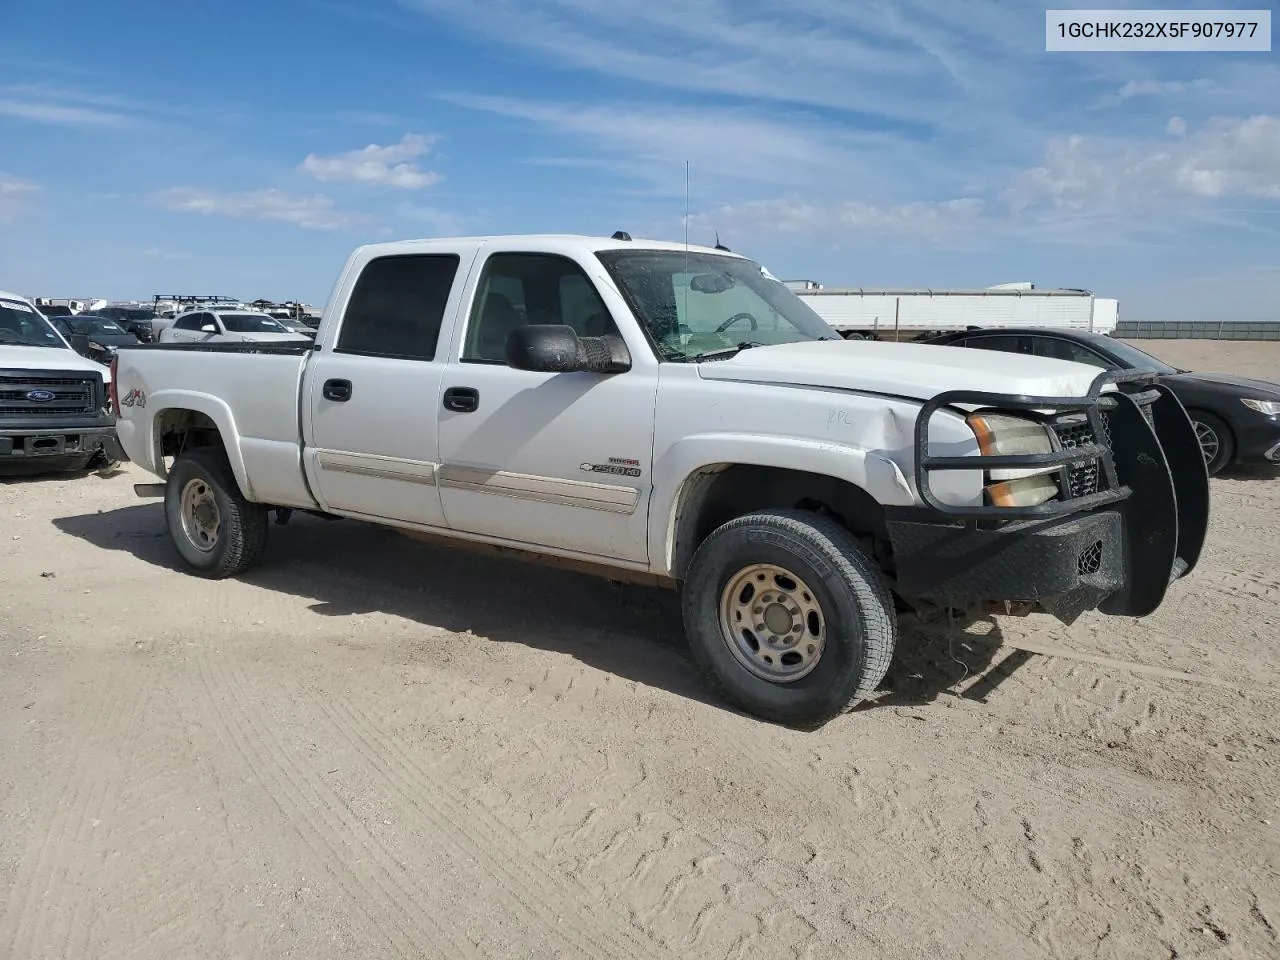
[201,521]
[1209,442]
[772,623]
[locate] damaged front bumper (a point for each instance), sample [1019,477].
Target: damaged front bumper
[55,443]
[1130,519]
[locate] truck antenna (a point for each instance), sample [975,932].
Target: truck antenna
[686,240]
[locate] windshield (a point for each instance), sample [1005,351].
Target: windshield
[128,313]
[1138,359]
[92,325]
[694,304]
[250,323]
[22,326]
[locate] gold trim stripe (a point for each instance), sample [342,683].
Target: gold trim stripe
[382,468]
[523,486]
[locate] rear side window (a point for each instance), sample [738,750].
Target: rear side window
[397,306]
[999,344]
[1060,349]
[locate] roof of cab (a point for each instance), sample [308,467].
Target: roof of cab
[557,241]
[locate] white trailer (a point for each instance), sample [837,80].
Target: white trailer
[908,314]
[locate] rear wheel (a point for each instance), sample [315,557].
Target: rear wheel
[214,528]
[787,616]
[1217,445]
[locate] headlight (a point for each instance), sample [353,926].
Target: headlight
[1269,407]
[1002,435]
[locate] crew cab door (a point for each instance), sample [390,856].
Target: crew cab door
[552,460]
[372,387]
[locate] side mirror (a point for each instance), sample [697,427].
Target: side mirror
[208,328]
[557,348]
[80,343]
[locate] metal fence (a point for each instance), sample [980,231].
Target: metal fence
[1197,330]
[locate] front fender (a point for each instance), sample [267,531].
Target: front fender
[876,474]
[216,410]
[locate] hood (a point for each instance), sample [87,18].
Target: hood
[1241,386]
[49,358]
[918,371]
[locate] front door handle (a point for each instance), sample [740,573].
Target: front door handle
[462,399]
[339,391]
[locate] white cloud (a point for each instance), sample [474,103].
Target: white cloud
[15,194]
[433,220]
[386,166]
[314,212]
[925,222]
[724,145]
[62,114]
[1228,157]
[1144,88]
[908,64]
[1176,127]
[1181,89]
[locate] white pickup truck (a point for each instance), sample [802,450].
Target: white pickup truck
[676,415]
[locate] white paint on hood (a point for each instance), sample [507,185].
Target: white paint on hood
[918,371]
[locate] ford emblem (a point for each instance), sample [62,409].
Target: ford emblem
[41,396]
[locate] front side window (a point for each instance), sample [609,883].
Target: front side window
[397,306]
[531,288]
[20,326]
[694,304]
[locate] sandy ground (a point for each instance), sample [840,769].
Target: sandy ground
[373,748]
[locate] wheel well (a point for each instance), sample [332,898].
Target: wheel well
[179,430]
[722,492]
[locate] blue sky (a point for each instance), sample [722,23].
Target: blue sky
[244,148]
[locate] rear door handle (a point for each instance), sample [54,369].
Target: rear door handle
[462,399]
[339,391]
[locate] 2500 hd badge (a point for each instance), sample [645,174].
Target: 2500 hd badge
[617,466]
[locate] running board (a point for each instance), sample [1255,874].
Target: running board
[149,489]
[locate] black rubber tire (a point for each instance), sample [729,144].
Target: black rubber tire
[861,625]
[1226,440]
[243,527]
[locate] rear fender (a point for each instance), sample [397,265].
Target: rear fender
[216,410]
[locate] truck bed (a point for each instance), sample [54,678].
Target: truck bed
[252,395]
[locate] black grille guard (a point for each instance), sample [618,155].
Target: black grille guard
[1091,405]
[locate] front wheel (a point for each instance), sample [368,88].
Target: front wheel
[1217,445]
[787,616]
[215,529]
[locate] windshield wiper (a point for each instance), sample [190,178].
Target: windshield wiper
[727,351]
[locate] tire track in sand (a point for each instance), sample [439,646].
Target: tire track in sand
[46,893]
[541,894]
[339,845]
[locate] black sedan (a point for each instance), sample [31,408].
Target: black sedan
[94,337]
[1237,419]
